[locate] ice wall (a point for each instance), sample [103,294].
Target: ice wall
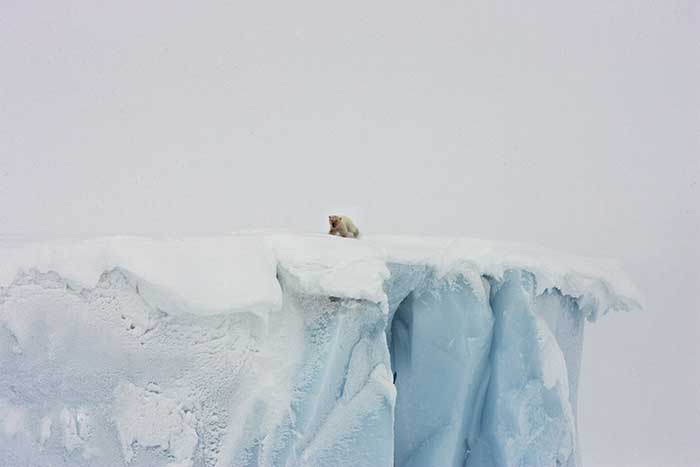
[294,350]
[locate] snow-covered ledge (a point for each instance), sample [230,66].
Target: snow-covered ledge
[277,349]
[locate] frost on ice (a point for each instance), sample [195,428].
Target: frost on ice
[294,350]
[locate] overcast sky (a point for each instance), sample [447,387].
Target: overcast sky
[571,125]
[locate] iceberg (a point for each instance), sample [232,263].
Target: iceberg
[283,349]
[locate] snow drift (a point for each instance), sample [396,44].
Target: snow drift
[294,350]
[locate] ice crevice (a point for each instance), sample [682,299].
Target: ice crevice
[281,350]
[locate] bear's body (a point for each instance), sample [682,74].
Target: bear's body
[343,226]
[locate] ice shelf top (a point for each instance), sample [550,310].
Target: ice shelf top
[239,271]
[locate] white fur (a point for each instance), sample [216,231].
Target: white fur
[343,227]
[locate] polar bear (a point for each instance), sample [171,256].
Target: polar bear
[343,226]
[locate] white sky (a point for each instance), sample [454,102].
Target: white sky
[573,126]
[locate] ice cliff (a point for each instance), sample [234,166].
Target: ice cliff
[271,349]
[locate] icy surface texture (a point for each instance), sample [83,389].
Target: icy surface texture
[294,350]
[441,338]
